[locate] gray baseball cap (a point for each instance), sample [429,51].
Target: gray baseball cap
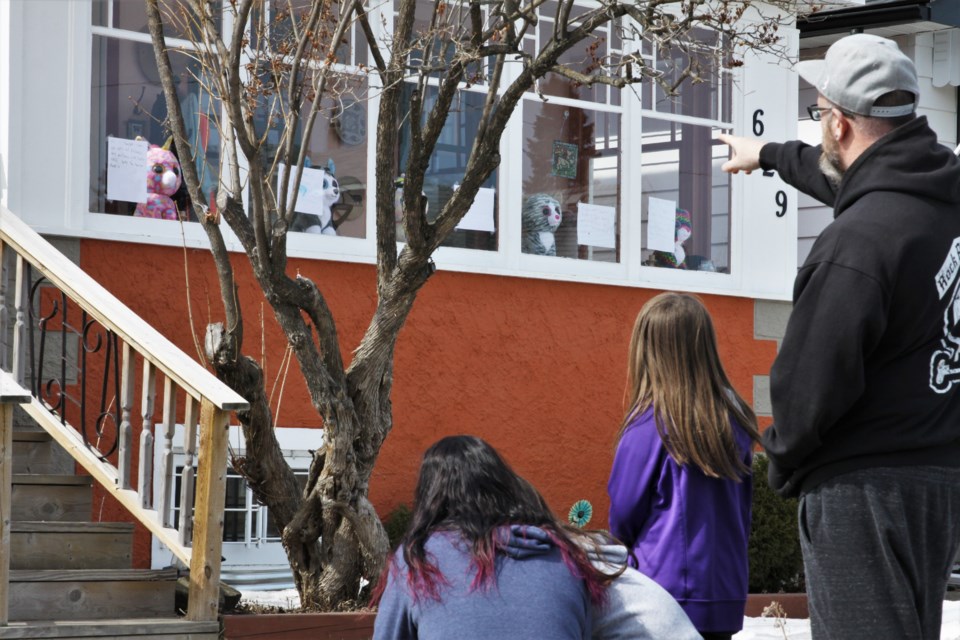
[860,68]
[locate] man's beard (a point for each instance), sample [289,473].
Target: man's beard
[830,164]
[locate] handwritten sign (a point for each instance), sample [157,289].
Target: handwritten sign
[127,170]
[661,224]
[310,197]
[480,215]
[596,225]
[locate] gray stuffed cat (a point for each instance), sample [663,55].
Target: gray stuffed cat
[541,216]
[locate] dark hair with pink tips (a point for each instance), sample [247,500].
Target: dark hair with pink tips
[466,487]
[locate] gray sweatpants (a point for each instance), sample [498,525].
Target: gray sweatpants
[878,545]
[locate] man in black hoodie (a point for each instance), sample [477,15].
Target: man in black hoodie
[866,387]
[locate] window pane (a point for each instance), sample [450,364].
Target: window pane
[585,57]
[571,160]
[705,99]
[285,19]
[332,195]
[179,21]
[127,101]
[448,164]
[681,173]
[99,15]
[273,531]
[451,25]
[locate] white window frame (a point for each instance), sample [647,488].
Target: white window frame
[762,246]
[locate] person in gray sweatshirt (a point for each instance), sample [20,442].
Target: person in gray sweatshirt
[485,558]
[637,608]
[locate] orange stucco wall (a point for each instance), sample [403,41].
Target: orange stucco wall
[536,367]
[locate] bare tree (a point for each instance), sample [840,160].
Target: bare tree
[285,61]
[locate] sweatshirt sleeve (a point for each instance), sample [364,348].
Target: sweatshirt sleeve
[394,619]
[838,318]
[799,166]
[633,480]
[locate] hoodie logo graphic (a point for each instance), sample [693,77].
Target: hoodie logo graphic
[945,363]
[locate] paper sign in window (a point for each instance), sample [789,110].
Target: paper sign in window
[596,225]
[310,195]
[127,170]
[661,224]
[480,215]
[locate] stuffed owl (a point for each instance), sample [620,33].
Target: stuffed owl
[541,216]
[163,180]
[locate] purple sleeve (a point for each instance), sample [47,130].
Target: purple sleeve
[633,479]
[394,620]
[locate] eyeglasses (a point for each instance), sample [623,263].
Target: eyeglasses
[816,111]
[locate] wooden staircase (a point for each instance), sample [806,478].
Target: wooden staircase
[77,361]
[66,568]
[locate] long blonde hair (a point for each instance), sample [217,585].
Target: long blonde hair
[673,365]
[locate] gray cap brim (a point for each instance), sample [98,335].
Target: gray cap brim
[811,71]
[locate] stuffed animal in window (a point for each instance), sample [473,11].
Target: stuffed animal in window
[163,180]
[330,195]
[678,258]
[541,216]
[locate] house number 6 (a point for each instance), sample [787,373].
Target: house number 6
[758,123]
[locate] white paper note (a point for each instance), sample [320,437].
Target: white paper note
[596,225]
[310,196]
[479,216]
[127,170]
[661,224]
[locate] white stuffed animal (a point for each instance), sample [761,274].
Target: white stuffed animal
[323,223]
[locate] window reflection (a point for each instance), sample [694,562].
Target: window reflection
[332,195]
[571,161]
[127,102]
[684,189]
[447,166]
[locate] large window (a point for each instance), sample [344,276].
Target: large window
[127,103]
[616,185]
[572,155]
[446,170]
[479,229]
[686,197]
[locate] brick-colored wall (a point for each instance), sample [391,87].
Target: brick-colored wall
[534,366]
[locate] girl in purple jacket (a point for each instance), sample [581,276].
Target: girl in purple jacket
[680,488]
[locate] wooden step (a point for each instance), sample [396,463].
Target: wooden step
[36,452]
[51,497]
[91,595]
[157,629]
[70,545]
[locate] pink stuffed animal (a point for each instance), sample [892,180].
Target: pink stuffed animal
[163,180]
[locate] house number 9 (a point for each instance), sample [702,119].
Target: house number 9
[782,203]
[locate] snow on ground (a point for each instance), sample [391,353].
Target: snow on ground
[766,628]
[286,598]
[753,628]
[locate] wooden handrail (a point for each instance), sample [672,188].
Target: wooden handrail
[203,391]
[91,296]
